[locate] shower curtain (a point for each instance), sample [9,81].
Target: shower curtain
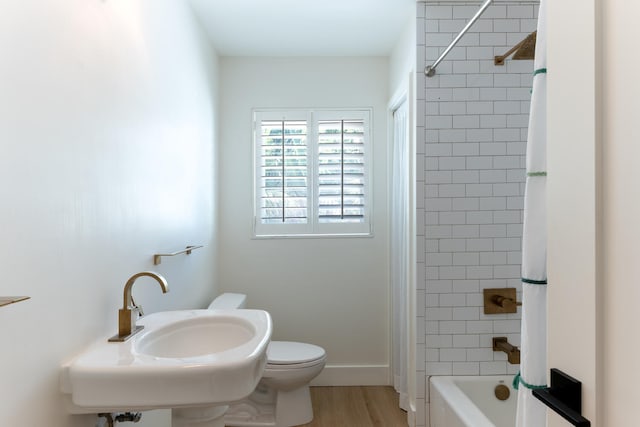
[531,412]
[399,252]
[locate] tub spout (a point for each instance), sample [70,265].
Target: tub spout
[513,353]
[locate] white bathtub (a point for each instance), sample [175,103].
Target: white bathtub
[471,402]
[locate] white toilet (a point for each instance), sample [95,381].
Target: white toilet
[282,397]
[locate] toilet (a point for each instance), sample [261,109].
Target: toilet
[282,397]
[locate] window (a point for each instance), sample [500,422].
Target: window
[312,172]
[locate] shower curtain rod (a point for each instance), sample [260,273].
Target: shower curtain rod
[430,70]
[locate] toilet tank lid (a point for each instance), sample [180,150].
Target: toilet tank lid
[288,352]
[229,301]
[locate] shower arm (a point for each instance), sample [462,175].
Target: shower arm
[430,70]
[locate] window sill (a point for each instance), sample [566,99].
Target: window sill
[313,236]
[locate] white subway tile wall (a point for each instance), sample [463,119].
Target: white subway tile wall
[472,129]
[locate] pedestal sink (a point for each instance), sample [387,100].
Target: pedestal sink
[192,361]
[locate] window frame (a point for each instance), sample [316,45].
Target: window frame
[313,228]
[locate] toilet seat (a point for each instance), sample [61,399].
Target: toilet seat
[284,354]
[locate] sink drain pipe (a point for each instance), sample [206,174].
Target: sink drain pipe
[110,420]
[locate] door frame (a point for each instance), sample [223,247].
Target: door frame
[574,199]
[406,94]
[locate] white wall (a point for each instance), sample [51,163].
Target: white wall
[332,292]
[402,60]
[107,150]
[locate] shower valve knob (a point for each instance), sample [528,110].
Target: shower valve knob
[500,301]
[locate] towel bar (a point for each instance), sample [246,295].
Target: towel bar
[11,300]
[157,258]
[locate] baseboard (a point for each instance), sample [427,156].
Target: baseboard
[350,375]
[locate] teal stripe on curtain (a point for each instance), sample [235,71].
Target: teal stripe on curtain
[534,282]
[517,380]
[536,72]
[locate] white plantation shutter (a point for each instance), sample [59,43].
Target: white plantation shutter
[283,171]
[311,172]
[341,171]
[341,186]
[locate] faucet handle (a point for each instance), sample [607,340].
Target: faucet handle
[137,307]
[508,304]
[500,301]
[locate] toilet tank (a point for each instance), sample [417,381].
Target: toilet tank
[228,301]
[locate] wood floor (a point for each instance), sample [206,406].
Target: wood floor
[356,407]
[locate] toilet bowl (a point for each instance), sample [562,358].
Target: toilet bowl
[282,397]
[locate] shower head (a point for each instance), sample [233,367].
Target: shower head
[526,49]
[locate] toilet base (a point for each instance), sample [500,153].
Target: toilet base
[281,409]
[294,407]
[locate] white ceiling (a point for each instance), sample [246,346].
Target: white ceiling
[304,27]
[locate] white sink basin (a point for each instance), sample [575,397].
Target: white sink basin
[184,338]
[180,359]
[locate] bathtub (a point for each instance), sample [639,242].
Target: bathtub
[472,402]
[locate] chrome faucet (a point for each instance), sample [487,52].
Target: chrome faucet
[129,312]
